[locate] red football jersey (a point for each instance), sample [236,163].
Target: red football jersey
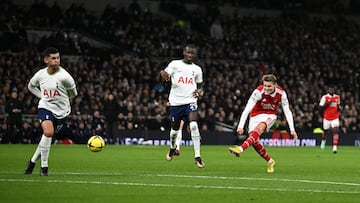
[331,111]
[268,104]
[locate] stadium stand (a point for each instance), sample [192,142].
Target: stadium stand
[122,51]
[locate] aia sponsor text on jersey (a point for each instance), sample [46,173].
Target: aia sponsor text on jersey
[186,80]
[51,93]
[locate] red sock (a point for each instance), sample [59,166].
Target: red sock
[260,149]
[253,137]
[335,139]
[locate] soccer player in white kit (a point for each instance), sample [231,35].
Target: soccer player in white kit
[54,86]
[263,106]
[186,87]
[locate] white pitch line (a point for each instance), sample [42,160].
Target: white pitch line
[265,179]
[179,186]
[221,177]
[206,177]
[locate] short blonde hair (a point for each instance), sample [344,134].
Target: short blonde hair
[269,78]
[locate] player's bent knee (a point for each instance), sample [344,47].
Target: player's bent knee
[48,128]
[48,132]
[193,126]
[195,134]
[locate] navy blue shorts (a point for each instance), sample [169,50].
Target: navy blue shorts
[178,113]
[48,115]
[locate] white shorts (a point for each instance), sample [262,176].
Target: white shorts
[268,119]
[327,124]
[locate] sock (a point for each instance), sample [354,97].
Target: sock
[253,137]
[173,135]
[260,149]
[195,136]
[323,136]
[36,155]
[335,139]
[178,139]
[44,146]
[323,139]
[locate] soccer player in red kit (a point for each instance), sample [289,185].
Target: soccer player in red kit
[263,106]
[330,104]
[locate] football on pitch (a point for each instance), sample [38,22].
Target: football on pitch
[96,143]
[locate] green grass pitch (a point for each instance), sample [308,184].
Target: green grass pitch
[141,174]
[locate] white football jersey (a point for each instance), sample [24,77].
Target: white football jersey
[54,91]
[184,79]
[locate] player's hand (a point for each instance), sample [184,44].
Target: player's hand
[240,131]
[165,75]
[198,93]
[294,134]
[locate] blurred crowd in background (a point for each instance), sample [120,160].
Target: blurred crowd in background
[306,53]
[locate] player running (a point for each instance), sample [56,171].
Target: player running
[330,106]
[54,86]
[186,87]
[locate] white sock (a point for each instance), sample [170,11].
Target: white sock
[173,135]
[36,155]
[178,139]
[195,136]
[44,145]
